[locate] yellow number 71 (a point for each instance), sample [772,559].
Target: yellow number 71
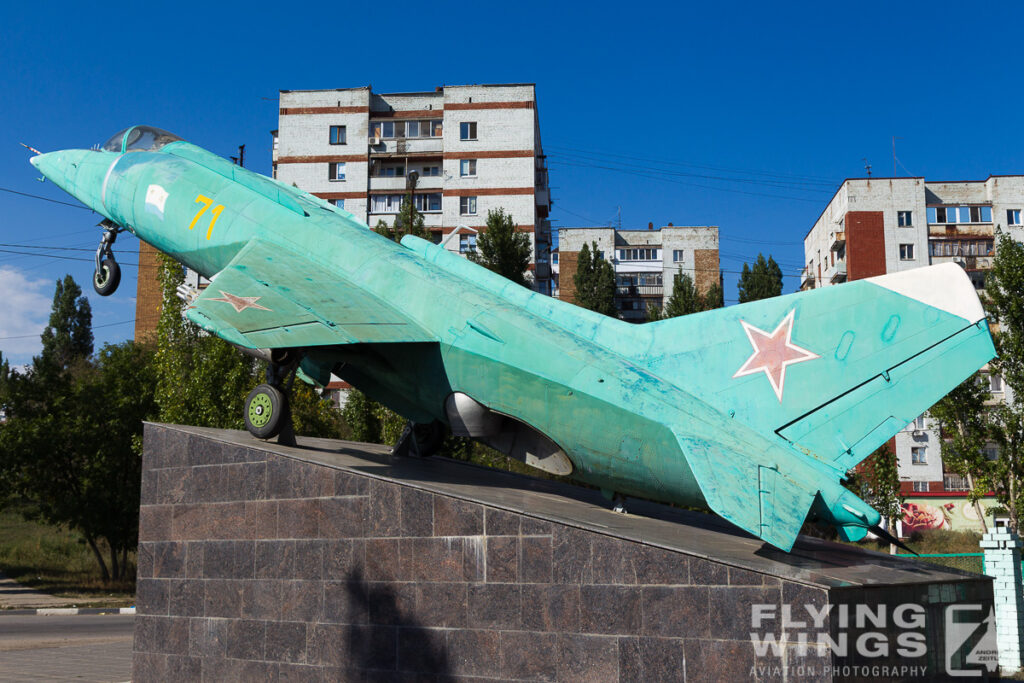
[206,201]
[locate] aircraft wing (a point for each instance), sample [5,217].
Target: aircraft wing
[271,297]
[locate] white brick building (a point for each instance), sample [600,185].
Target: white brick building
[472,148]
[645,262]
[874,226]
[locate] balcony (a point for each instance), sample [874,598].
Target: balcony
[640,290]
[399,183]
[838,240]
[838,273]
[406,147]
[807,280]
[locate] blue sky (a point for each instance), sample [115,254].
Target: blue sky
[741,115]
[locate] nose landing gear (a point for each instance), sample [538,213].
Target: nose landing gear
[107,276]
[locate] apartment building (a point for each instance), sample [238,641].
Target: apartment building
[645,262]
[462,150]
[874,226]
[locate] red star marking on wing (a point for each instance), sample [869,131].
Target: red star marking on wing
[773,353]
[239,303]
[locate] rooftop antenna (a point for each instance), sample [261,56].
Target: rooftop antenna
[620,218]
[867,166]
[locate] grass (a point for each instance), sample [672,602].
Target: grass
[57,561]
[940,541]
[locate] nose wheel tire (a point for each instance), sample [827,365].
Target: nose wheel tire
[265,411]
[106,279]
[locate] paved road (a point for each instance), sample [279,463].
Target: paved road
[63,648]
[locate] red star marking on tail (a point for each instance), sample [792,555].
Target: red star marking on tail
[773,353]
[239,303]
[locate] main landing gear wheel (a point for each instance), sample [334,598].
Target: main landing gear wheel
[266,410]
[106,279]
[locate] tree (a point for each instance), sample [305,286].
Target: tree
[762,281]
[714,297]
[965,427]
[503,250]
[684,299]
[1004,289]
[595,282]
[877,481]
[408,220]
[201,380]
[68,336]
[71,442]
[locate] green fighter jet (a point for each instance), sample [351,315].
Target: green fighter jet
[754,411]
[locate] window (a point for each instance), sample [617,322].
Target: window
[436,127]
[906,252]
[427,203]
[467,167]
[960,214]
[337,135]
[919,455]
[991,452]
[554,257]
[467,243]
[336,170]
[385,203]
[995,384]
[412,129]
[904,218]
[677,255]
[467,130]
[920,486]
[645,254]
[340,203]
[1013,216]
[918,423]
[954,482]
[961,247]
[431,170]
[467,206]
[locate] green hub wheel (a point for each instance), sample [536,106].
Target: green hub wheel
[265,411]
[261,410]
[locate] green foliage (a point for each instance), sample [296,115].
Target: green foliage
[56,560]
[201,380]
[68,336]
[763,281]
[684,299]
[369,421]
[313,415]
[595,282]
[503,250]
[72,439]
[714,297]
[966,425]
[877,481]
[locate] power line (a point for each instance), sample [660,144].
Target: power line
[45,199]
[95,327]
[685,182]
[791,184]
[822,180]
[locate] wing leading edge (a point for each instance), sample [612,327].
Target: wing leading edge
[270,297]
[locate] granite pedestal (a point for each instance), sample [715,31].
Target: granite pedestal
[336,561]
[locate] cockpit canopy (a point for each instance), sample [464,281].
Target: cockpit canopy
[139,139]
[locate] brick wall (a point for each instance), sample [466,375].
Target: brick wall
[148,298]
[865,244]
[567,263]
[705,265]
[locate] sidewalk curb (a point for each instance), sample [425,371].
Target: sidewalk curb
[66,611]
